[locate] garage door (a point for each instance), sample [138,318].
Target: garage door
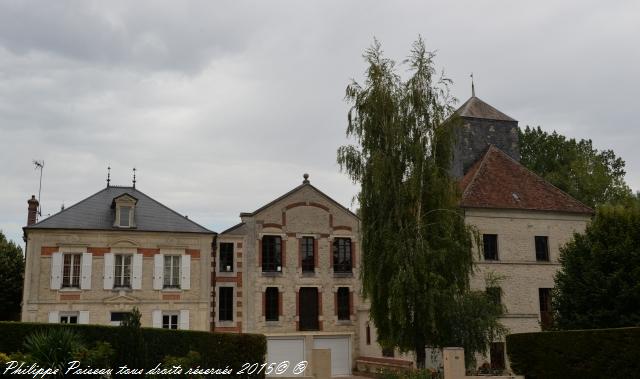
[340,347]
[285,349]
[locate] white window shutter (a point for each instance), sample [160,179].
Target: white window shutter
[109,261]
[54,317]
[157,318]
[184,319]
[185,280]
[56,271]
[158,277]
[85,273]
[136,278]
[83,317]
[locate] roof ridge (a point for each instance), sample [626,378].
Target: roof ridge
[480,167]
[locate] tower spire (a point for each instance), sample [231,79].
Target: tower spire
[473,88]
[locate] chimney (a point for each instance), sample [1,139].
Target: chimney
[33,210]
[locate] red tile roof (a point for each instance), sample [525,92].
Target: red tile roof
[497,181]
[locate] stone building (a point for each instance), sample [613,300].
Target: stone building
[117,249]
[523,221]
[290,270]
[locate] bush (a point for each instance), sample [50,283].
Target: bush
[217,350]
[583,354]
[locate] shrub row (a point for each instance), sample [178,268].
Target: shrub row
[151,346]
[598,353]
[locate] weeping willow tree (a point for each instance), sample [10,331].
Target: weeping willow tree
[417,249]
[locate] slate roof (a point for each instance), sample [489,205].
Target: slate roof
[476,108]
[498,181]
[96,213]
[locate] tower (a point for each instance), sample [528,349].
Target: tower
[482,125]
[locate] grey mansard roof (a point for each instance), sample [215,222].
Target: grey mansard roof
[96,213]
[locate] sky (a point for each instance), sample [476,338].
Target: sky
[222,106]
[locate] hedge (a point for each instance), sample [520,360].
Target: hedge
[217,350]
[598,353]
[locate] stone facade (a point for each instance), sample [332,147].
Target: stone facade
[475,134]
[303,212]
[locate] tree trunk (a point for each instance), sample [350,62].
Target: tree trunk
[421,356]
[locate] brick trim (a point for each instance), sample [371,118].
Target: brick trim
[283,252]
[147,253]
[284,218]
[48,250]
[300,252]
[294,205]
[98,251]
[316,253]
[69,296]
[318,205]
[194,253]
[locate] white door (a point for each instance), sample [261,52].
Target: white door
[340,347]
[285,349]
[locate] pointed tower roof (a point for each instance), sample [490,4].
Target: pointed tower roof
[497,181]
[476,108]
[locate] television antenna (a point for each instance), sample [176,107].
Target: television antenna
[39,166]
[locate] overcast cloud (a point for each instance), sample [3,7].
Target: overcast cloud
[222,106]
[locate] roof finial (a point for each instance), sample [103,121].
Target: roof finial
[306,178]
[108,176]
[134,178]
[473,88]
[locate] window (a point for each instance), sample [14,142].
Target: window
[271,304]
[118,317]
[496,353]
[308,310]
[271,254]
[225,303]
[490,247]
[69,318]
[308,254]
[542,248]
[170,321]
[226,257]
[171,271]
[342,255]
[122,277]
[494,294]
[546,311]
[344,312]
[71,271]
[125,215]
[368,334]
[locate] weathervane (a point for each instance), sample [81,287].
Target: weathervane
[134,178]
[108,176]
[473,88]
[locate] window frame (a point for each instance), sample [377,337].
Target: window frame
[119,319]
[174,277]
[225,310]
[542,256]
[271,246]
[342,247]
[308,261]
[226,257]
[173,320]
[343,306]
[272,304]
[119,278]
[69,316]
[71,277]
[494,245]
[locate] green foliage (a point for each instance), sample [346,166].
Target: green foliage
[576,354]
[11,279]
[132,319]
[191,360]
[100,355]
[53,348]
[133,339]
[217,350]
[417,249]
[576,167]
[598,285]
[409,374]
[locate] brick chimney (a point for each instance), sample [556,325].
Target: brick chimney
[33,210]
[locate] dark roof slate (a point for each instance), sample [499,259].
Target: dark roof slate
[476,108]
[96,213]
[498,181]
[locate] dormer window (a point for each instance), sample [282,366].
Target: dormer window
[125,215]
[125,206]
